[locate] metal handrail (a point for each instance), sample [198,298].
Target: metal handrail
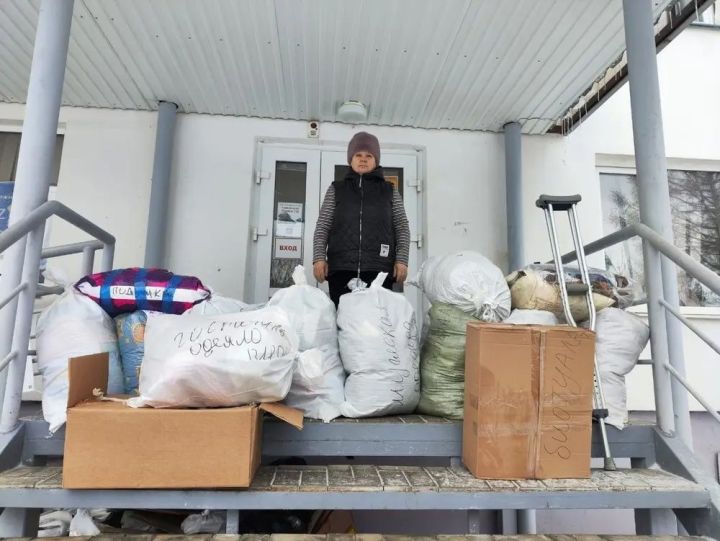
[697,270]
[8,359]
[25,225]
[704,275]
[708,407]
[14,293]
[690,325]
[57,251]
[18,326]
[69,249]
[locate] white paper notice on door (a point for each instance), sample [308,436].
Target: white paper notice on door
[288,249]
[289,212]
[288,229]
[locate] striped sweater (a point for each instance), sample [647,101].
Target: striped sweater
[325,223]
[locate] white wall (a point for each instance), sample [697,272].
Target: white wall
[104,175]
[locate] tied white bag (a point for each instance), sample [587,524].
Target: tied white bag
[217,304]
[467,280]
[620,339]
[318,383]
[379,350]
[532,317]
[71,327]
[196,361]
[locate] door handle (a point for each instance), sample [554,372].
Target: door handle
[256,233]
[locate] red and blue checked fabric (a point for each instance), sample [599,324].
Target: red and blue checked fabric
[126,290]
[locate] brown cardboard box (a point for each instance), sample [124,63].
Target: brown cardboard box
[110,445]
[528,401]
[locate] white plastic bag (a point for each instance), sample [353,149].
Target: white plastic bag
[467,280]
[197,361]
[71,327]
[205,522]
[379,350]
[55,523]
[620,339]
[532,317]
[83,524]
[318,382]
[217,304]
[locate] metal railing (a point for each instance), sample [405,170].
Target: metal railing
[704,275]
[19,325]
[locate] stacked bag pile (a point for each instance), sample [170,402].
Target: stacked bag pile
[318,381]
[80,322]
[175,344]
[461,287]
[621,336]
[379,350]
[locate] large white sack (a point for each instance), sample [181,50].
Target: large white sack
[620,339]
[467,280]
[532,317]
[318,383]
[379,350]
[197,361]
[72,326]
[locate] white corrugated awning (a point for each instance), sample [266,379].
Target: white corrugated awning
[460,64]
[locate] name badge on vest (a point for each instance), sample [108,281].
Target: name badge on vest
[384,250]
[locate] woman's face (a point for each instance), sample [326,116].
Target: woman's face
[363,162]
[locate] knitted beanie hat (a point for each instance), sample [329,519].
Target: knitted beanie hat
[364,141]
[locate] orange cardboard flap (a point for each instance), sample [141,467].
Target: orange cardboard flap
[85,374]
[284,413]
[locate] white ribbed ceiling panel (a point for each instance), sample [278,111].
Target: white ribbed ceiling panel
[462,64]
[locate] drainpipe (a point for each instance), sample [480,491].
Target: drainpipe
[666,337]
[523,521]
[159,193]
[32,183]
[513,196]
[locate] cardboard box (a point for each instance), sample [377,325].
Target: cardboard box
[110,445]
[528,401]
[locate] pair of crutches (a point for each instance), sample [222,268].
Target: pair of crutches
[551,204]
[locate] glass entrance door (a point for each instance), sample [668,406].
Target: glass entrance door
[288,207]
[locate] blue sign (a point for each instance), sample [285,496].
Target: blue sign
[6,195]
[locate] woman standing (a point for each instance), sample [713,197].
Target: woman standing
[362,228]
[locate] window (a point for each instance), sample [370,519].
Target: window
[289,212]
[9,150]
[695,204]
[709,17]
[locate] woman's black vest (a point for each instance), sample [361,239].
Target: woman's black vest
[362,236]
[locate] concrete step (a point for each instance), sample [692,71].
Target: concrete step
[371,487]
